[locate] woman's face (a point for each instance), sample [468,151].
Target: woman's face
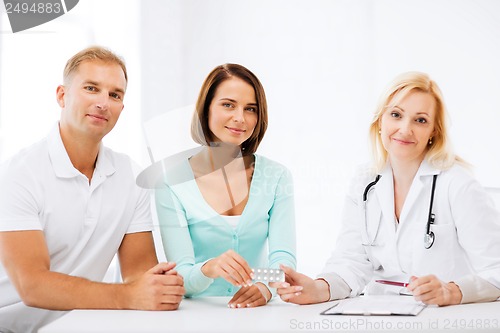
[233,113]
[407,127]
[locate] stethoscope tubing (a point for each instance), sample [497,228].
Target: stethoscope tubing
[430,218]
[429,235]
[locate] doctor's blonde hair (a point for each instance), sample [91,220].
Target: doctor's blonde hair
[439,153]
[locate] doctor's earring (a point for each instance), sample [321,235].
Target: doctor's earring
[379,131]
[430,141]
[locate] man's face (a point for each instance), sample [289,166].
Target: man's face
[92,100]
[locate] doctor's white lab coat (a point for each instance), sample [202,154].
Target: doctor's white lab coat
[466,249]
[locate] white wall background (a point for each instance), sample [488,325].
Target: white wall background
[32,64]
[323,64]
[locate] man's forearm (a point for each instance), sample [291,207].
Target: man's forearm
[57,291]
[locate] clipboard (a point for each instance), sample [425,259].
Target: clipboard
[376,305]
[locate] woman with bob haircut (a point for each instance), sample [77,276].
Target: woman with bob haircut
[415,216]
[233,210]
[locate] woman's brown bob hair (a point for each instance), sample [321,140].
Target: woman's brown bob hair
[200,131]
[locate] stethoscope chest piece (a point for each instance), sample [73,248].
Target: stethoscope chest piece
[428,240]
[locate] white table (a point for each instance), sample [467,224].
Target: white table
[212,315]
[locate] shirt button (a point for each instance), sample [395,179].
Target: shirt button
[234,237]
[229,290]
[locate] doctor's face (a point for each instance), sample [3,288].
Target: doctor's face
[407,126]
[232,115]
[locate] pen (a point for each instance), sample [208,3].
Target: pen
[393,283]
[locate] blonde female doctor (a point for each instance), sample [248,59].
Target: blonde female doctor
[415,216]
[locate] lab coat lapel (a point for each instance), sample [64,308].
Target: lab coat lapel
[417,186]
[415,189]
[385,196]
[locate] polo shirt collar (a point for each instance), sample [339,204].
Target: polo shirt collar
[62,164]
[104,165]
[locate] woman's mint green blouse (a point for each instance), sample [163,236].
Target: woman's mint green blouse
[192,232]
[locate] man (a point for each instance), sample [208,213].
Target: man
[68,204]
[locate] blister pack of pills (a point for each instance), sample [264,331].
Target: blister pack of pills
[268,275]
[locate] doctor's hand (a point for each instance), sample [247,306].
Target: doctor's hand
[231,267]
[301,289]
[430,290]
[251,296]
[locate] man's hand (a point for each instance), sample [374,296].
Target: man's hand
[160,288]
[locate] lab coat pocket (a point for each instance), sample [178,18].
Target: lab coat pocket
[439,259]
[374,252]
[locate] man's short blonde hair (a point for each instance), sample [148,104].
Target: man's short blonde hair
[91,54]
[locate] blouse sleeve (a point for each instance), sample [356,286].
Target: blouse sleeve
[177,241]
[282,243]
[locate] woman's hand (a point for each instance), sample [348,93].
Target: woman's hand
[301,289]
[251,296]
[231,267]
[430,290]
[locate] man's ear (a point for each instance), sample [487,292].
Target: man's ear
[60,92]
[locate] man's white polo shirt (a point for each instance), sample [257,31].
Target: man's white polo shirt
[83,224]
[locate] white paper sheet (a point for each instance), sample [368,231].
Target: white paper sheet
[376,305]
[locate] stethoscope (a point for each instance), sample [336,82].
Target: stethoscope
[429,235]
